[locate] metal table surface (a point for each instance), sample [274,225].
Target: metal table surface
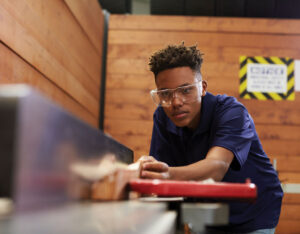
[94,218]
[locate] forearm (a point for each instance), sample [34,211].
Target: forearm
[214,166]
[204,169]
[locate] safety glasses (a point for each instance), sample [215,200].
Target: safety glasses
[186,94]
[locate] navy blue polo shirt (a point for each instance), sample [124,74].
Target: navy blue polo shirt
[226,123]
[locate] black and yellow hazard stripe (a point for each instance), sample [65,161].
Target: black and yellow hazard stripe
[289,95]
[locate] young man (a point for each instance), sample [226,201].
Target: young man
[197,135]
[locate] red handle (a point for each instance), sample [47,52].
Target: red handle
[243,191]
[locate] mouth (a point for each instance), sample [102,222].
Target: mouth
[180,115]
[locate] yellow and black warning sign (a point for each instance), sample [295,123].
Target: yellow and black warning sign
[267,78]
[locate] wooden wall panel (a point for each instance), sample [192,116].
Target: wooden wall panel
[14,70]
[211,53]
[208,24]
[129,108]
[74,40]
[50,39]
[89,15]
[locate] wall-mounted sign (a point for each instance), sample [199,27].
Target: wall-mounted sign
[266,78]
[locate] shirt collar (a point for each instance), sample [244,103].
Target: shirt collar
[208,105]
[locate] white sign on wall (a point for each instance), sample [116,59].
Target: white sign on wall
[267,78]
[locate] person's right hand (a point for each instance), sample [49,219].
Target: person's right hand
[153,169]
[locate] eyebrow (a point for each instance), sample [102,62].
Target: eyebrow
[185,84]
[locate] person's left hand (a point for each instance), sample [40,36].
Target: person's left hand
[153,169]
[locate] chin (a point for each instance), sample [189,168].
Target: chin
[181,124]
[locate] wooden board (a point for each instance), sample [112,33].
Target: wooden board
[14,70]
[129,127]
[212,54]
[89,15]
[291,199]
[211,24]
[287,163]
[74,40]
[288,227]
[213,39]
[44,52]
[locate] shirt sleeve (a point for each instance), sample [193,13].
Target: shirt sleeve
[233,131]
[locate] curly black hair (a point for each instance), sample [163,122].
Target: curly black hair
[176,56]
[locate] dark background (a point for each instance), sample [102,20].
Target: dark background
[230,8]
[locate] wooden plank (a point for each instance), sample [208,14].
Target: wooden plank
[74,40]
[288,227]
[209,39]
[225,84]
[274,112]
[290,212]
[230,54]
[281,147]
[130,81]
[29,48]
[140,67]
[289,177]
[133,96]
[278,132]
[128,66]
[287,163]
[14,70]
[136,143]
[291,199]
[211,54]
[211,24]
[131,51]
[129,111]
[89,15]
[128,127]
[52,42]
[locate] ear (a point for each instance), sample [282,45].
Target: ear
[204,87]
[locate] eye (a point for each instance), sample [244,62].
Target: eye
[186,90]
[164,94]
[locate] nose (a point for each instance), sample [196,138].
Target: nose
[176,100]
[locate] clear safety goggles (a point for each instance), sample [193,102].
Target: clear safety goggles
[186,94]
